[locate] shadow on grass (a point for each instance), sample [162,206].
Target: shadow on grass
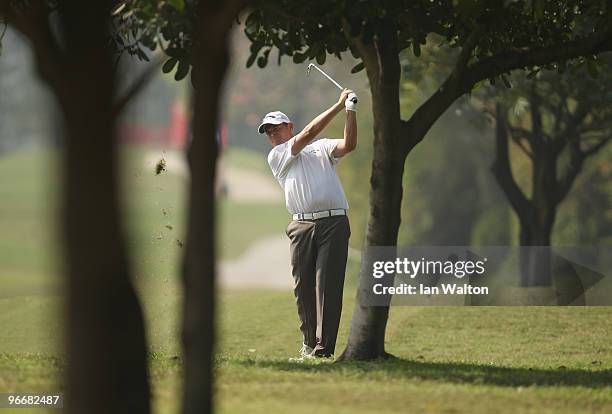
[466,373]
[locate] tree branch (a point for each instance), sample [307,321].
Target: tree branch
[365,52]
[597,147]
[3,30]
[455,86]
[229,11]
[135,88]
[493,66]
[468,48]
[520,132]
[522,146]
[537,138]
[564,184]
[501,167]
[33,23]
[598,127]
[561,111]
[517,134]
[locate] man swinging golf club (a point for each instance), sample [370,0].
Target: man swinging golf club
[319,231]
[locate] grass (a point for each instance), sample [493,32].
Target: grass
[155,210]
[154,217]
[447,360]
[247,159]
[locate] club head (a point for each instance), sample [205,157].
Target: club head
[310,65]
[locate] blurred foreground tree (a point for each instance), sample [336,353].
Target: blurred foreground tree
[494,38]
[106,346]
[194,35]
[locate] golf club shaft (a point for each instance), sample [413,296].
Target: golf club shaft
[327,76]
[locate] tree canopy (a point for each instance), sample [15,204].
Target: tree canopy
[311,30]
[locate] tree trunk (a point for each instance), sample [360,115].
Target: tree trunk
[368,324]
[107,364]
[535,259]
[211,59]
[536,226]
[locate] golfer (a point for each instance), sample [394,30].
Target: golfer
[319,232]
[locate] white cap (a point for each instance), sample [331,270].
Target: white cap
[274,118]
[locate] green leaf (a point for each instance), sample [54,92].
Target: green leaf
[182,71]
[358,67]
[169,65]
[251,60]
[299,57]
[252,24]
[262,61]
[416,48]
[592,68]
[255,48]
[177,4]
[321,56]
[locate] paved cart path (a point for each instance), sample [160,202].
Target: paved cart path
[266,263]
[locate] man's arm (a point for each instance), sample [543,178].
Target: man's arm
[318,124]
[349,143]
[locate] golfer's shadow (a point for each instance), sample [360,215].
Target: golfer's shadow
[450,372]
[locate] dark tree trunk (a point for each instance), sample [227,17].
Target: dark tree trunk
[537,223]
[107,364]
[536,259]
[210,62]
[368,324]
[199,260]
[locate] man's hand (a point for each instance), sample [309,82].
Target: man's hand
[351,102]
[315,126]
[349,99]
[343,95]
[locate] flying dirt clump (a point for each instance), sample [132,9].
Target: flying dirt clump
[160,166]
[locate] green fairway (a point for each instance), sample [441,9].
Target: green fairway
[449,360]
[154,216]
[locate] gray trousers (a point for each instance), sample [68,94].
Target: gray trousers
[318,260]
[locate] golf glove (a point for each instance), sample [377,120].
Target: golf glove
[351,102]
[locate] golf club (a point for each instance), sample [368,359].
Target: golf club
[312,65]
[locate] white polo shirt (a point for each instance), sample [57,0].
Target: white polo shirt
[308,178]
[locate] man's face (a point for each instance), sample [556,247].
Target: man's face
[277,134]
